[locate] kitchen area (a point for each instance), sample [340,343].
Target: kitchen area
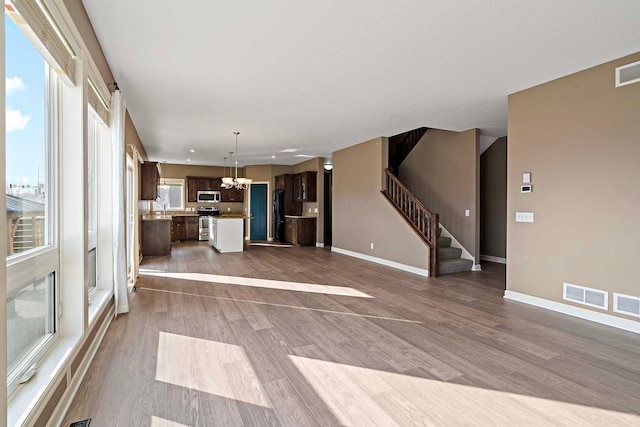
[201,209]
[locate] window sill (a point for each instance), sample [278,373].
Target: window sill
[98,300]
[27,396]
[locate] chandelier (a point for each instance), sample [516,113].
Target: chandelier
[235,182]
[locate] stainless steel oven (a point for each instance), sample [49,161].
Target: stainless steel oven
[204,212]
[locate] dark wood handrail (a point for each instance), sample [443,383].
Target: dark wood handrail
[424,222]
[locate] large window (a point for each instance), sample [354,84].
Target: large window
[27,151]
[31,215]
[170,195]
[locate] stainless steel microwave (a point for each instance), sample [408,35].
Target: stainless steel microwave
[208,197]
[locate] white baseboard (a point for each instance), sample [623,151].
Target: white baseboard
[72,388]
[319,245]
[399,266]
[493,259]
[476,267]
[582,313]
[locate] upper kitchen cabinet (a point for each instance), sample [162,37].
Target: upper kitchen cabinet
[304,187]
[149,180]
[285,183]
[195,184]
[231,195]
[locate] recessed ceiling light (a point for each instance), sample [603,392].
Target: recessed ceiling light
[273,157]
[192,150]
[289,150]
[302,155]
[188,160]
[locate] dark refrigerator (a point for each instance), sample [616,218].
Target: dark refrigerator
[278,215]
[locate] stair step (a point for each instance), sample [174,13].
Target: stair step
[444,242]
[450,266]
[449,253]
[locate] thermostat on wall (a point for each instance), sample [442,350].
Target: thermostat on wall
[526,188]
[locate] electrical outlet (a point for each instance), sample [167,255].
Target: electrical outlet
[309,210]
[316,210]
[228,209]
[467,212]
[371,245]
[524,216]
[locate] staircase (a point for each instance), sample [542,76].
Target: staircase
[443,259]
[449,258]
[23,238]
[401,145]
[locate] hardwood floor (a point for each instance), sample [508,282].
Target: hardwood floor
[317,338]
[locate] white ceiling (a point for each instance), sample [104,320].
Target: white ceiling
[318,76]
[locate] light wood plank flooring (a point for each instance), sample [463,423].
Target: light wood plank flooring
[303,336]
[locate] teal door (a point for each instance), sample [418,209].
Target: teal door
[258,206]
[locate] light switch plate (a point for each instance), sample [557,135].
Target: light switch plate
[524,216]
[466,212]
[526,178]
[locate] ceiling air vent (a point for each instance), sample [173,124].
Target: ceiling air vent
[587,296]
[626,304]
[628,74]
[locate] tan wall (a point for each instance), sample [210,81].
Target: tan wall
[361,214]
[443,173]
[493,200]
[579,138]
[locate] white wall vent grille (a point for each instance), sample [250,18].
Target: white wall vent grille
[587,296]
[626,304]
[627,74]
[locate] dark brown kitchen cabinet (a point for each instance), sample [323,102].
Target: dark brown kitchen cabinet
[195,184]
[156,237]
[300,231]
[191,228]
[178,231]
[231,195]
[149,180]
[304,187]
[192,189]
[285,183]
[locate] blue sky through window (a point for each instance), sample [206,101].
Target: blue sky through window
[25,104]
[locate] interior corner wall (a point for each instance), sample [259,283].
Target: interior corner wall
[578,136]
[361,215]
[442,171]
[493,200]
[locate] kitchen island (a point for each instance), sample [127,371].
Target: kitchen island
[156,235]
[226,233]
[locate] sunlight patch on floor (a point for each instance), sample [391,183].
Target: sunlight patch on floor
[209,366]
[261,283]
[293,307]
[161,422]
[362,396]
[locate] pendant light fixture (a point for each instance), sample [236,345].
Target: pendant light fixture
[235,182]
